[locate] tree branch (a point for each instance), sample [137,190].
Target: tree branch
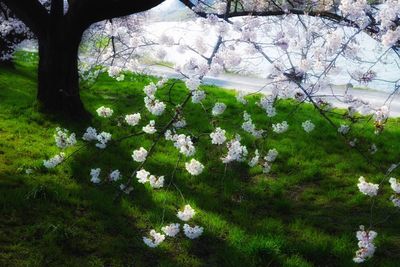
[32,13]
[87,12]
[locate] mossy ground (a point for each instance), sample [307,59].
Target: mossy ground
[304,213]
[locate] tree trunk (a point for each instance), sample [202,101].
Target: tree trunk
[58,78]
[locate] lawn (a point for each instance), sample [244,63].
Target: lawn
[305,212]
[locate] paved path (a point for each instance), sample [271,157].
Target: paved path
[252,84]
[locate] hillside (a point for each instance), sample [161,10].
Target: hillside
[305,212]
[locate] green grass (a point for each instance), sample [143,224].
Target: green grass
[304,213]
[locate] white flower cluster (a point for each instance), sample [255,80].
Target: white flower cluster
[104,112]
[193,85]
[271,155]
[240,97]
[153,105]
[139,155]
[102,138]
[95,174]
[133,119]
[280,127]
[218,136]
[389,11]
[155,240]
[182,142]
[254,160]
[198,96]
[116,73]
[267,103]
[250,127]
[180,123]
[365,244]
[192,232]
[54,161]
[334,41]
[381,114]
[194,167]
[394,185]
[144,176]
[236,152]
[218,109]
[391,37]
[308,126]
[171,230]
[355,9]
[366,188]
[114,175]
[396,188]
[344,129]
[126,189]
[268,159]
[187,213]
[63,140]
[150,128]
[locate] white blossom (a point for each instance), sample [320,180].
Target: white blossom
[192,84]
[171,230]
[250,127]
[365,244]
[366,188]
[184,144]
[54,161]
[139,155]
[391,37]
[90,134]
[133,119]
[156,182]
[240,97]
[102,140]
[218,136]
[267,103]
[63,140]
[187,213]
[95,173]
[150,128]
[155,240]
[115,175]
[308,126]
[218,109]
[198,96]
[194,167]
[254,160]
[271,156]
[104,112]
[142,176]
[154,106]
[396,201]
[394,185]
[280,127]
[124,188]
[344,129]
[236,152]
[192,232]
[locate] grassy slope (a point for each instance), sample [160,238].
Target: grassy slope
[305,213]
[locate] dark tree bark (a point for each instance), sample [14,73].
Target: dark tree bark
[59,37]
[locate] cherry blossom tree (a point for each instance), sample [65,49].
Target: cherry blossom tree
[59,29]
[304,43]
